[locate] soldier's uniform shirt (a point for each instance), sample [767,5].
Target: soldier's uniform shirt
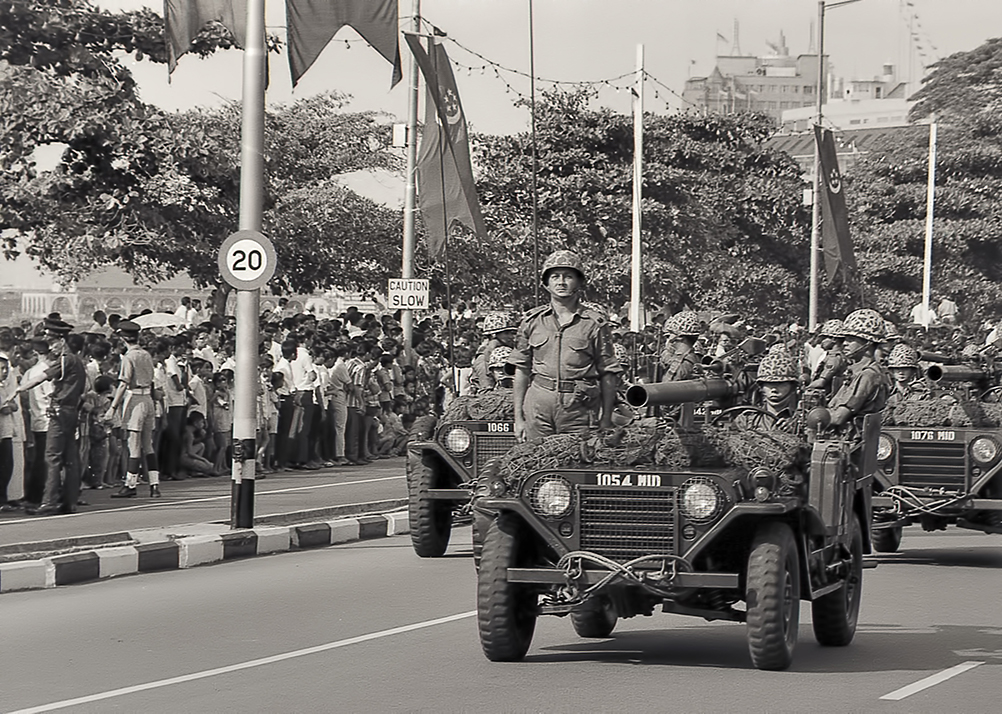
[565,364]
[865,390]
[680,364]
[913,391]
[785,416]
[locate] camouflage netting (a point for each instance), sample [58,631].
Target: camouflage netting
[487,406]
[937,412]
[654,443]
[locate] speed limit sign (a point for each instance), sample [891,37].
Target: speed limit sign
[247,260]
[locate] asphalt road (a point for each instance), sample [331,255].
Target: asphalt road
[205,500]
[369,627]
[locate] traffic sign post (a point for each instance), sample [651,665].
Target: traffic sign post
[407,294]
[246,262]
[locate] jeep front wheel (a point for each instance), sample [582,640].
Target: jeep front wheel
[596,618]
[835,614]
[430,519]
[887,540]
[506,612]
[772,593]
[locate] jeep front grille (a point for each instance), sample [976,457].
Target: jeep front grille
[623,524]
[490,446]
[933,465]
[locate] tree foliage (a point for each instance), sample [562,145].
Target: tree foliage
[888,191]
[723,224]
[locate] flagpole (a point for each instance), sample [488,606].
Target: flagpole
[535,161]
[930,201]
[812,317]
[410,193]
[247,313]
[638,183]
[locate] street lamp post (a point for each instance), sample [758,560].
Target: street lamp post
[812,320]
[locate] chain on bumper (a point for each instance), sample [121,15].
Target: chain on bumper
[906,499]
[576,591]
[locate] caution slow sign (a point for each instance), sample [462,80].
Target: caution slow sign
[407,294]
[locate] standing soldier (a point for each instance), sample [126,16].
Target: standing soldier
[62,455]
[135,396]
[679,358]
[565,368]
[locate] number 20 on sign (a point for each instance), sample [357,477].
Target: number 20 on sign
[247,260]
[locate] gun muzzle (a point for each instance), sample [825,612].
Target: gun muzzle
[955,373]
[686,390]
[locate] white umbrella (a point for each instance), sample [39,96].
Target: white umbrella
[159,319]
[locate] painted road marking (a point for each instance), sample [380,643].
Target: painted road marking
[206,499]
[244,665]
[930,681]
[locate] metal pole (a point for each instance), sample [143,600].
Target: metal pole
[410,194]
[535,160]
[251,180]
[930,200]
[638,186]
[812,318]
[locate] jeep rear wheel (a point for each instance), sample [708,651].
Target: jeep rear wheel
[772,593]
[430,520]
[886,540]
[835,614]
[506,612]
[596,618]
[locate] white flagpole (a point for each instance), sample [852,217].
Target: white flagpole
[930,200]
[410,194]
[638,183]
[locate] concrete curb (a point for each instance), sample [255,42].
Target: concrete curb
[164,550]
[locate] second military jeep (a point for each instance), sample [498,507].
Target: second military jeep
[442,468]
[747,545]
[943,468]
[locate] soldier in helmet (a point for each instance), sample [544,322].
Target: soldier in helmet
[827,376]
[865,390]
[499,328]
[907,382]
[679,359]
[496,367]
[778,379]
[565,370]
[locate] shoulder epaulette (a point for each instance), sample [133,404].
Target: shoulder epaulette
[535,311]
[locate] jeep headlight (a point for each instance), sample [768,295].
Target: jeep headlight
[458,440]
[700,500]
[984,450]
[885,448]
[551,497]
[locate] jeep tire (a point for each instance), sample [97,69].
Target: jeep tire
[886,540]
[835,614]
[506,612]
[772,593]
[430,520]
[596,618]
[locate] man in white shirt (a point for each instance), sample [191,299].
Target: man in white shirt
[176,405]
[304,377]
[38,408]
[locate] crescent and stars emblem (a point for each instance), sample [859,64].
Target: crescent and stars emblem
[450,102]
[835,181]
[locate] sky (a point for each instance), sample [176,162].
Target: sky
[579,41]
[587,40]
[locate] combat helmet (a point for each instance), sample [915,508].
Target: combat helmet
[684,324]
[903,355]
[832,328]
[778,366]
[498,357]
[970,352]
[866,324]
[891,333]
[621,354]
[495,322]
[563,259]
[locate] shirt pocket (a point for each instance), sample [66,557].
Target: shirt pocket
[579,351]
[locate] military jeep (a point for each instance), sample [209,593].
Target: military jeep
[941,469]
[747,545]
[442,468]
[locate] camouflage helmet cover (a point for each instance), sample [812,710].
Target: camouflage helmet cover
[498,357]
[866,324]
[685,323]
[832,328]
[621,353]
[563,259]
[496,322]
[778,366]
[970,351]
[903,355]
